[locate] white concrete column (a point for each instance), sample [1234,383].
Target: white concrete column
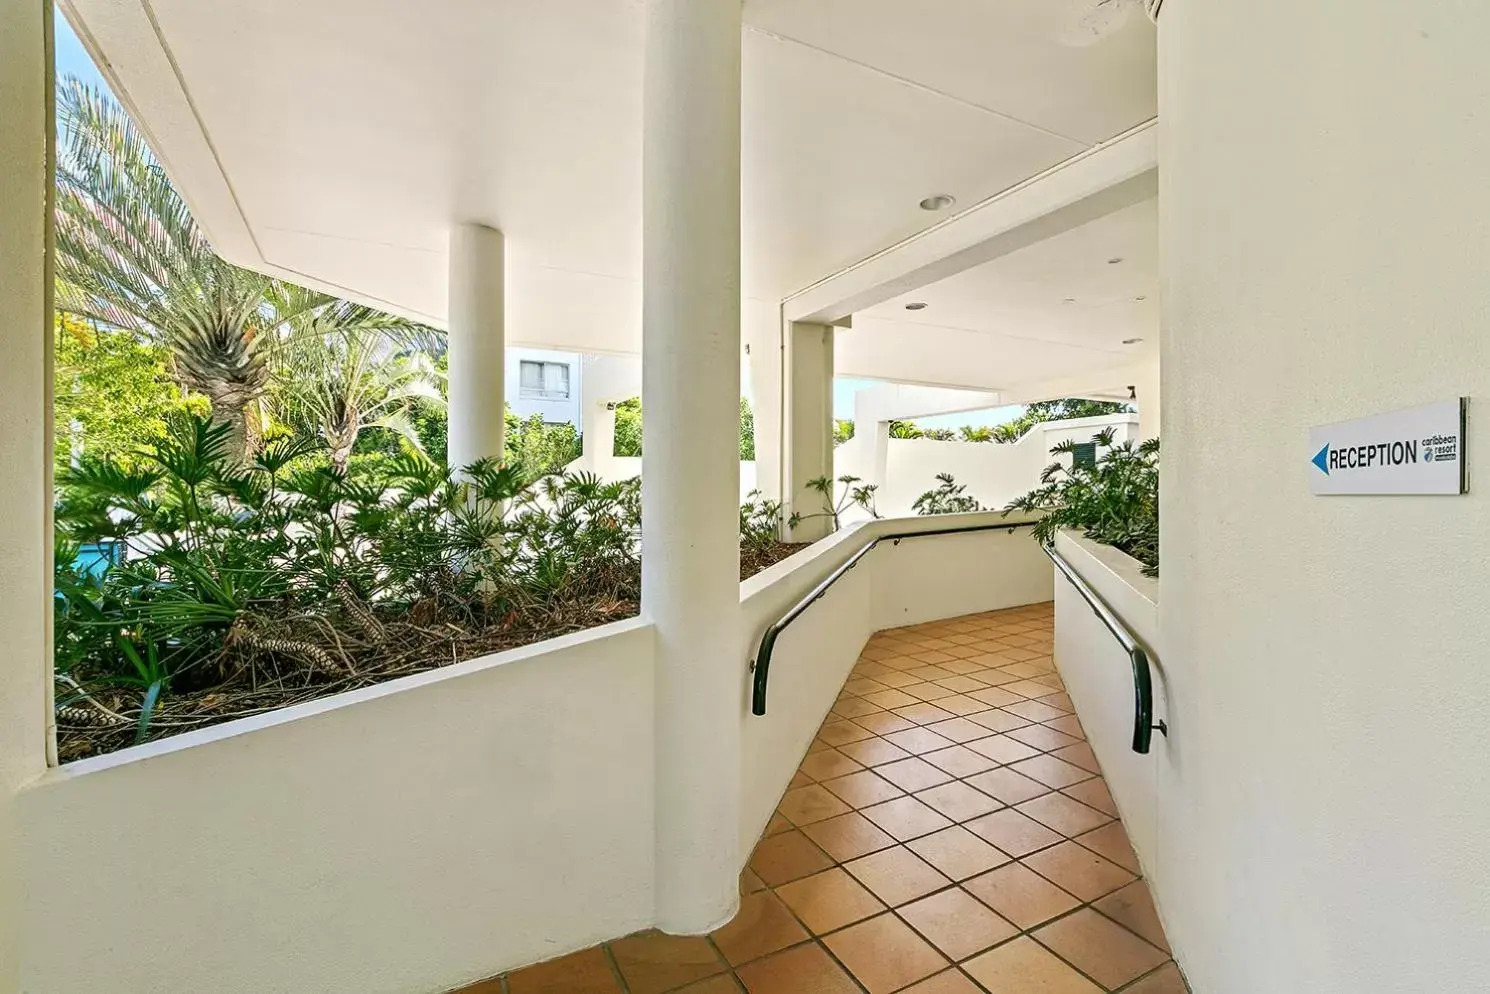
[26,129]
[808,420]
[691,467]
[599,439]
[477,344]
[1147,389]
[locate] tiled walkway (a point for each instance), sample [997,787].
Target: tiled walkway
[948,833]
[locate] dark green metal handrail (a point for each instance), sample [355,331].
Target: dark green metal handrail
[761,666]
[1143,683]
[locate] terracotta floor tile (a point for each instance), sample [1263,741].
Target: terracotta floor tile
[1013,832]
[862,789]
[933,673]
[956,923]
[1007,785]
[807,969]
[584,972]
[885,954]
[897,678]
[962,705]
[960,761]
[1093,793]
[891,698]
[1165,980]
[848,837]
[994,696]
[1021,895]
[723,984]
[1002,749]
[1111,842]
[1023,967]
[957,853]
[750,883]
[1078,870]
[960,730]
[919,740]
[1078,754]
[913,774]
[948,982]
[1033,689]
[787,857]
[762,926]
[906,818]
[896,875]
[1060,700]
[817,745]
[958,801]
[829,900]
[1133,907]
[923,713]
[960,683]
[1069,724]
[928,691]
[1064,814]
[778,824]
[1046,739]
[837,733]
[884,723]
[1022,670]
[828,764]
[861,687]
[806,805]
[652,962]
[1100,948]
[998,720]
[1054,772]
[874,752]
[1034,710]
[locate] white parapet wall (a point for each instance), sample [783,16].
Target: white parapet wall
[899,583]
[410,837]
[994,473]
[1099,677]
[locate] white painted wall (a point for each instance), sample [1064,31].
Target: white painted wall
[1325,229]
[916,580]
[406,838]
[1099,677]
[995,474]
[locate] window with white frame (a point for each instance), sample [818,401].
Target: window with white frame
[543,380]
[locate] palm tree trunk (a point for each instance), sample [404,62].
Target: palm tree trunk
[236,418]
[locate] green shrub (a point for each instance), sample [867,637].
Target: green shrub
[949,497]
[1115,502]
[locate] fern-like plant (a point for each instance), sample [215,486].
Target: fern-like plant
[949,497]
[1115,501]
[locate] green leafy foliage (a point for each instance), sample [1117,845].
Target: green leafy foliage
[948,497]
[760,522]
[112,391]
[843,430]
[1115,502]
[629,429]
[838,496]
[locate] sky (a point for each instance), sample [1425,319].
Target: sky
[73,60]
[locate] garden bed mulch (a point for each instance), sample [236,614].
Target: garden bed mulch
[356,655]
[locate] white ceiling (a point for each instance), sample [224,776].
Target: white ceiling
[1057,308]
[337,140]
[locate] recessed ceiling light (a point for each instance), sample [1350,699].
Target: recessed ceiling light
[938,202]
[915,306]
[1131,341]
[1114,260]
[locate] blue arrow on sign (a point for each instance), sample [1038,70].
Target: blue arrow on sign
[1322,459]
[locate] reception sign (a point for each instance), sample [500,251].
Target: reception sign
[1416,451]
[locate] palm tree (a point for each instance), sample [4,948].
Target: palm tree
[349,368]
[130,255]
